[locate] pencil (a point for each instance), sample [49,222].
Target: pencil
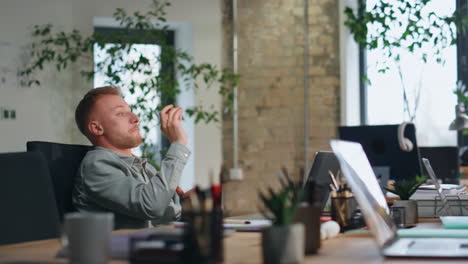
[335,183]
[245,222]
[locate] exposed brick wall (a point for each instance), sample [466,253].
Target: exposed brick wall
[271,91]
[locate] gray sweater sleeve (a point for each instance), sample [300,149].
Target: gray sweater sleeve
[107,183]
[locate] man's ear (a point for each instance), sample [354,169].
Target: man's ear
[95,128]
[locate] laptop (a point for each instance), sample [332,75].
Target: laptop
[324,162]
[361,178]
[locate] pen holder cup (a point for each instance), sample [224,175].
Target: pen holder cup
[398,215]
[310,217]
[343,210]
[203,237]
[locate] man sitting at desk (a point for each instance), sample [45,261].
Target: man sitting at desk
[111,179]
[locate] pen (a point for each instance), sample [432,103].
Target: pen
[194,201]
[246,222]
[201,197]
[335,183]
[187,204]
[215,190]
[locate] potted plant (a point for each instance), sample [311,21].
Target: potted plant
[405,189]
[284,241]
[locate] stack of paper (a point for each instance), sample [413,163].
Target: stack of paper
[247,225]
[429,192]
[429,204]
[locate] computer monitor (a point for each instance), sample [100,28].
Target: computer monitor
[382,148]
[445,162]
[318,181]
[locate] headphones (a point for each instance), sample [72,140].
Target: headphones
[405,144]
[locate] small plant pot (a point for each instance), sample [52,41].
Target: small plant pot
[310,217]
[411,210]
[283,244]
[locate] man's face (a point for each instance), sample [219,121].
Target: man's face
[112,119]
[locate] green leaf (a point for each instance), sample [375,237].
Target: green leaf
[283,203]
[406,188]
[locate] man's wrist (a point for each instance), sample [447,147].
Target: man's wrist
[178,150]
[183,142]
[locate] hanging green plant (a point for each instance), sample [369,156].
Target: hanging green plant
[396,25]
[399,27]
[152,88]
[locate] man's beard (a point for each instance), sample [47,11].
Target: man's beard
[129,142]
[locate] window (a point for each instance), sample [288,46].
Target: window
[151,51]
[462,63]
[180,37]
[428,89]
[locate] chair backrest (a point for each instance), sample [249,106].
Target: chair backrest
[27,203]
[63,161]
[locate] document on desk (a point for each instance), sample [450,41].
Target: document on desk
[433,232]
[247,225]
[240,225]
[429,192]
[120,243]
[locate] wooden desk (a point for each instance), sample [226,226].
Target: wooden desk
[241,248]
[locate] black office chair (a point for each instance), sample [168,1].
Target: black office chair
[63,161]
[27,202]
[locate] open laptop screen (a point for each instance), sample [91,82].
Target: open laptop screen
[361,178]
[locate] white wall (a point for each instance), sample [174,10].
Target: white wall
[205,16]
[46,112]
[349,70]
[41,112]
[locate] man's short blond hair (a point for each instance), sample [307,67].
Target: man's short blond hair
[86,105]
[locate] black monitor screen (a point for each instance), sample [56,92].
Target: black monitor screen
[383,150]
[444,161]
[318,182]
